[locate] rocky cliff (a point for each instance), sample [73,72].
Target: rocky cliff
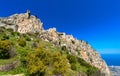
[25,23]
[22,23]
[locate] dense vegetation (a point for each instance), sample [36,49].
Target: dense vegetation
[38,58]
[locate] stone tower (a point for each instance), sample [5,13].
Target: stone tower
[28,14]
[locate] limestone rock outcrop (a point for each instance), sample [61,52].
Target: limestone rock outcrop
[25,23]
[76,47]
[22,23]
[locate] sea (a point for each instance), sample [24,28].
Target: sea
[111,59]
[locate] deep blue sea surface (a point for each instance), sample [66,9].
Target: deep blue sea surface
[111,59]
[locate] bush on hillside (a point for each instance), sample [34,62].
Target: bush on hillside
[41,62]
[72,61]
[4,49]
[60,64]
[10,29]
[73,66]
[22,42]
[2,29]
[15,33]
[83,62]
[71,58]
[92,70]
[5,37]
[27,38]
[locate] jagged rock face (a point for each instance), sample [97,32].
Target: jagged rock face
[79,48]
[92,57]
[24,23]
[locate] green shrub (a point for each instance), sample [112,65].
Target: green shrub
[41,62]
[73,61]
[73,66]
[2,29]
[15,33]
[10,29]
[91,70]
[37,61]
[22,42]
[71,58]
[4,49]
[83,62]
[28,38]
[60,64]
[5,37]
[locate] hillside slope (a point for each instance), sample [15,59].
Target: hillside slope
[25,23]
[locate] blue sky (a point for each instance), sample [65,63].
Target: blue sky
[95,21]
